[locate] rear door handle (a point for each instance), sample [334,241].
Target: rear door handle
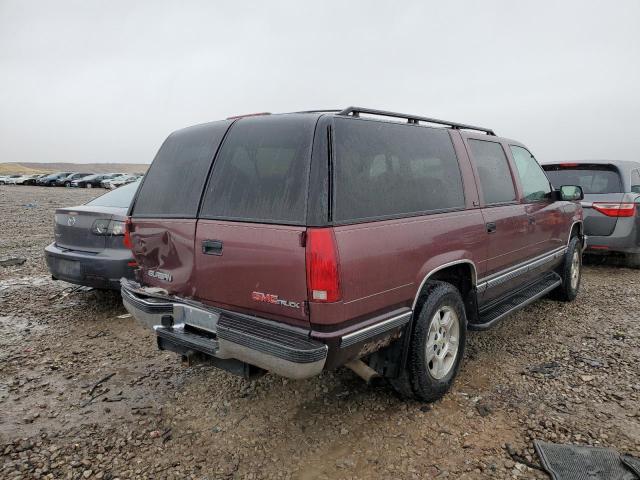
[491,227]
[212,247]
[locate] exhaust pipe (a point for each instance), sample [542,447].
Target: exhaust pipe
[363,370]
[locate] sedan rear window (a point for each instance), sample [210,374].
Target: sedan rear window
[120,197]
[592,178]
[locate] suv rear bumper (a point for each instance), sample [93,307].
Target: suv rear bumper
[189,326]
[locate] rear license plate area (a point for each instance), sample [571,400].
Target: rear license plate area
[68,268]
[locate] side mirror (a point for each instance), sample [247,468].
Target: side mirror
[571,193]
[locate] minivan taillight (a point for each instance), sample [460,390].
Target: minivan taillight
[323,269]
[616,209]
[127,233]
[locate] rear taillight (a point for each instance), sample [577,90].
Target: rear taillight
[323,269]
[127,233]
[616,209]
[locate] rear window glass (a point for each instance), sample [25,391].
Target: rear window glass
[262,171]
[386,169]
[173,185]
[592,178]
[120,197]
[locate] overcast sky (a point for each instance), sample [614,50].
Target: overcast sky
[107,81]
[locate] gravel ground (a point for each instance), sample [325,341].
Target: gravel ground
[557,372]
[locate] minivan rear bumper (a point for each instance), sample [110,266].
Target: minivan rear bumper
[182,325]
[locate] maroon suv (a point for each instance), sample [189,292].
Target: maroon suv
[301,242]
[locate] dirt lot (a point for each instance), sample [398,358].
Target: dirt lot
[560,372]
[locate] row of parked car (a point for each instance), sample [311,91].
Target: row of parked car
[303,242]
[72,179]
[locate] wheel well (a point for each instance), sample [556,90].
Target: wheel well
[576,230]
[462,276]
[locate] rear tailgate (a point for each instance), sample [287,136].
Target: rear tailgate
[596,222]
[602,185]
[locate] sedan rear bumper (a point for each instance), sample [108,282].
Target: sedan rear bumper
[183,326]
[97,270]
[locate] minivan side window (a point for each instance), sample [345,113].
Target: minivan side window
[494,172]
[384,169]
[535,184]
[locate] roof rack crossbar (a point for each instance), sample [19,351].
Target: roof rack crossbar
[356,111]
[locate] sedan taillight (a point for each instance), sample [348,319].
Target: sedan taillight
[616,209]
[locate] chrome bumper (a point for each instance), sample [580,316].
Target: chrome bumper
[286,351]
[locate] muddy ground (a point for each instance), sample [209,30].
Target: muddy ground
[558,372]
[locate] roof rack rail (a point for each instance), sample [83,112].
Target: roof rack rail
[356,111]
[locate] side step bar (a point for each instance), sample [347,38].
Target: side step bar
[520,299]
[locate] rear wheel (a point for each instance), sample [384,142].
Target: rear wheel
[67,184]
[89,185]
[571,272]
[437,344]
[632,260]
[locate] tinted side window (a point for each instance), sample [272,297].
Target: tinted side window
[493,170]
[262,171]
[535,184]
[173,185]
[387,169]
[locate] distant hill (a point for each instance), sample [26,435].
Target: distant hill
[10,168]
[7,168]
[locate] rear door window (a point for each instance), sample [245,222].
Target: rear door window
[535,184]
[262,171]
[494,172]
[593,178]
[387,169]
[173,185]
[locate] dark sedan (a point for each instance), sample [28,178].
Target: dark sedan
[92,181]
[66,181]
[50,180]
[611,205]
[89,242]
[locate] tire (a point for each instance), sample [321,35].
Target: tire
[431,366]
[570,286]
[89,185]
[67,184]
[632,260]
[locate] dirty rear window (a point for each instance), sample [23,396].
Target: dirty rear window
[173,185]
[261,173]
[592,178]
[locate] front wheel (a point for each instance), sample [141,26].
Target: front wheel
[89,185]
[437,344]
[571,272]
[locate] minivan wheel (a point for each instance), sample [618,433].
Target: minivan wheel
[571,272]
[437,344]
